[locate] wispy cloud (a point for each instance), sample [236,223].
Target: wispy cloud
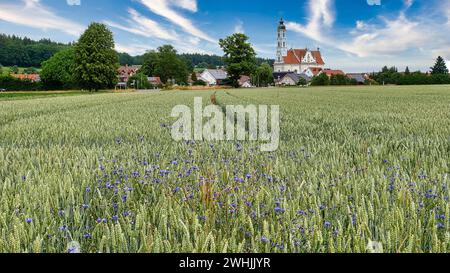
[165,8]
[388,36]
[132,49]
[32,13]
[239,27]
[143,26]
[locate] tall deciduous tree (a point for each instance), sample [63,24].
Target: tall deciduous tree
[96,62]
[166,64]
[263,75]
[58,71]
[239,55]
[440,67]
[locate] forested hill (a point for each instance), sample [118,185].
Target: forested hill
[192,59]
[25,52]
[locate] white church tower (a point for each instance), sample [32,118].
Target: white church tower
[282,46]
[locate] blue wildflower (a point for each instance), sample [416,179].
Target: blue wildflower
[279,210]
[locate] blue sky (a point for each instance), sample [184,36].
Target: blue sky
[354,35]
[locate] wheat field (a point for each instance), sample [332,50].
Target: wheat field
[101,173]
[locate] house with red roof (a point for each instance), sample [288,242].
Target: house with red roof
[30,77]
[332,72]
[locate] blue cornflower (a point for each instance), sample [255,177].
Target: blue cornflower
[115,217]
[264,239]
[87,236]
[126,213]
[302,212]
[85,206]
[63,228]
[322,207]
[279,210]
[327,224]
[440,226]
[88,189]
[29,220]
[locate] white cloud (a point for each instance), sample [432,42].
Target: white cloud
[321,17]
[32,13]
[190,5]
[165,9]
[409,3]
[239,27]
[143,26]
[74,2]
[393,37]
[385,37]
[132,48]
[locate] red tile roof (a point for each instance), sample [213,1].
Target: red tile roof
[331,72]
[295,56]
[31,77]
[315,70]
[155,80]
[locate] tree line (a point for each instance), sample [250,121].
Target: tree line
[24,52]
[192,60]
[439,74]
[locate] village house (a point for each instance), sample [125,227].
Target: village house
[125,72]
[31,77]
[360,78]
[245,82]
[291,79]
[332,72]
[155,81]
[214,77]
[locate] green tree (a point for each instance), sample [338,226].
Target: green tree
[320,80]
[407,72]
[96,62]
[440,67]
[194,77]
[263,75]
[239,55]
[14,69]
[139,81]
[150,60]
[58,71]
[302,82]
[125,58]
[169,66]
[339,80]
[30,70]
[166,64]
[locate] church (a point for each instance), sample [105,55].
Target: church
[298,61]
